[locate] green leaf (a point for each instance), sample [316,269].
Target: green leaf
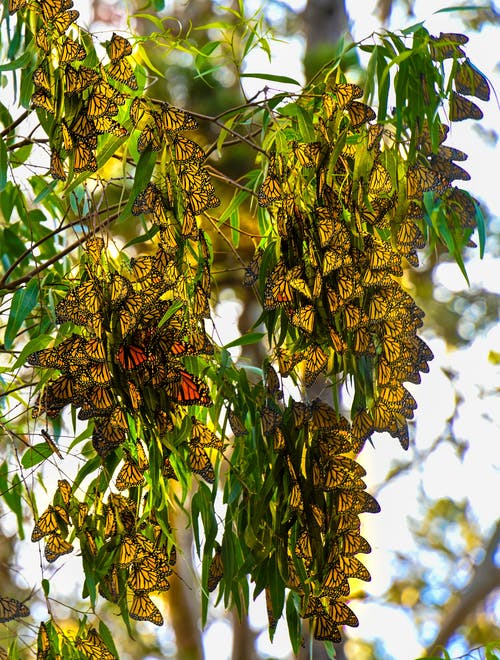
[143,172]
[19,63]
[293,622]
[36,454]
[448,10]
[270,76]
[235,203]
[45,586]
[23,302]
[245,340]
[107,637]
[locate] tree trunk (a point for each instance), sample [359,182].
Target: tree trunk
[325,23]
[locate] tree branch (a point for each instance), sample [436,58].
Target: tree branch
[486,579]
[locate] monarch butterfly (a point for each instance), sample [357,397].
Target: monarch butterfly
[347,92]
[83,128]
[128,551]
[286,360]
[471,82]
[333,579]
[236,424]
[348,282]
[357,502]
[122,71]
[324,223]
[93,638]
[201,199]
[419,179]
[98,374]
[118,47]
[316,362]
[98,401]
[360,113]
[325,629]
[129,312]
[303,546]
[447,45]
[105,124]
[130,475]
[63,389]
[270,190]
[273,386]
[64,19]
[313,607]
[149,137]
[215,570]
[43,642]
[323,416]
[380,180]
[142,608]
[51,8]
[77,80]
[447,169]
[100,104]
[461,108]
[253,268]
[84,159]
[64,490]
[139,109]
[43,99]
[42,39]
[130,357]
[48,522]
[277,290]
[307,153]
[174,119]
[56,166]
[188,390]
[200,433]
[352,567]
[143,575]
[71,50]
[106,438]
[11,609]
[200,463]
[352,543]
[56,547]
[270,419]
[109,586]
[333,258]
[186,150]
[342,614]
[16,5]
[328,476]
[362,429]
[41,79]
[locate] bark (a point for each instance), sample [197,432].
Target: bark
[243,639]
[183,600]
[325,23]
[485,580]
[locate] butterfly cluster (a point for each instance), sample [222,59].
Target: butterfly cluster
[183,178]
[320,495]
[91,100]
[52,642]
[467,79]
[135,547]
[342,241]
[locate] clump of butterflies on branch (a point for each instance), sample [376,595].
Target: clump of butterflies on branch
[344,204]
